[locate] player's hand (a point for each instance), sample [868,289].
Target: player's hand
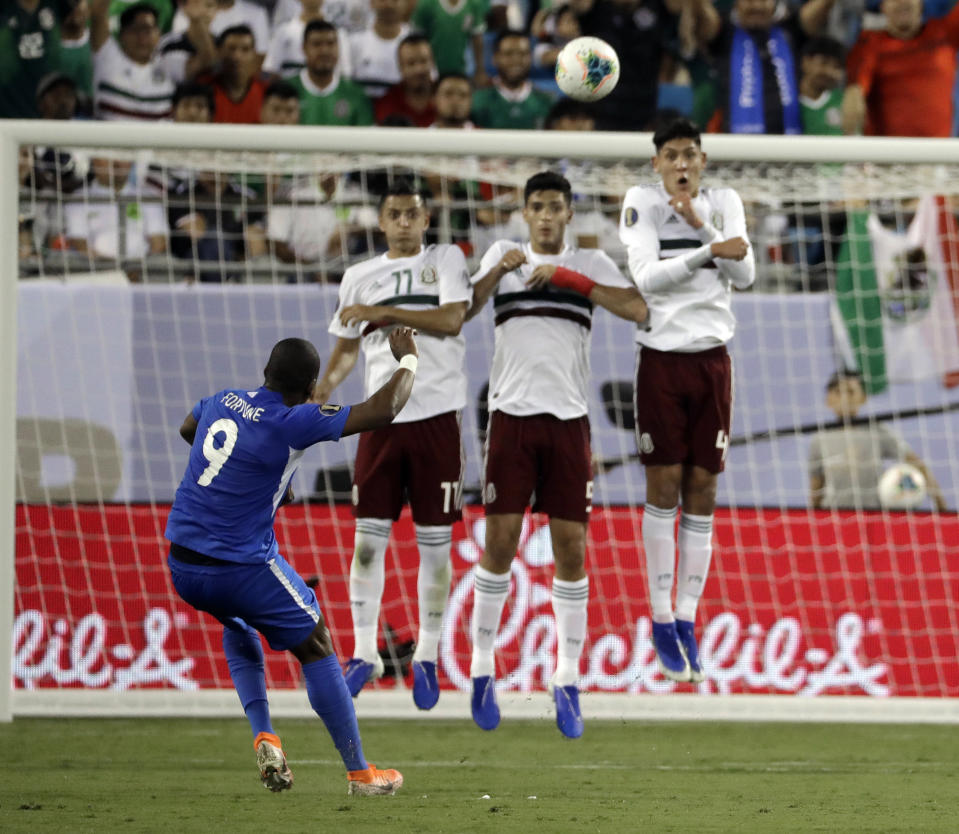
[402,342]
[734,249]
[541,276]
[321,393]
[356,313]
[682,204]
[513,259]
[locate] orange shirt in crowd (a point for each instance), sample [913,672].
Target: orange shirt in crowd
[908,83]
[245,111]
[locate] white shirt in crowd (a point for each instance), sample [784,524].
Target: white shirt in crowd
[98,222]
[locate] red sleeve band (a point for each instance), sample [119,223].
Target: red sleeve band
[567,279]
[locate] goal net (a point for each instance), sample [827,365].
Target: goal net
[156,265]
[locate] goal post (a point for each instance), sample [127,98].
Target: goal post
[852,606]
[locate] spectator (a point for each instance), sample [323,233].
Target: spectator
[638,30]
[300,228]
[846,460]
[192,103]
[568,114]
[346,15]
[452,28]
[93,225]
[231,13]
[820,86]
[285,55]
[553,28]
[29,49]
[412,98]
[512,101]
[374,51]
[57,96]
[185,55]
[213,227]
[237,86]
[757,50]
[453,100]
[163,8]
[128,82]
[326,97]
[76,56]
[281,104]
[900,80]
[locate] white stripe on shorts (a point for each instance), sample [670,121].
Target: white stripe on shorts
[285,582]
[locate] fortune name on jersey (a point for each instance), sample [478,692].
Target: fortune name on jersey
[242,407]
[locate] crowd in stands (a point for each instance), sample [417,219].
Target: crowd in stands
[875,67]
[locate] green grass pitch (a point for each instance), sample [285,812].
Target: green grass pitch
[166,775]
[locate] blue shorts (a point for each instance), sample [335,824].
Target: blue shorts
[270,597]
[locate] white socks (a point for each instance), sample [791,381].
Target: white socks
[660,546]
[367,578]
[489,596]
[695,552]
[569,607]
[432,587]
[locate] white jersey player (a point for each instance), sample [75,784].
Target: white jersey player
[420,457]
[537,447]
[687,248]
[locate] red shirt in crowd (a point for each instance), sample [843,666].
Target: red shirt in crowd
[908,83]
[393,103]
[245,111]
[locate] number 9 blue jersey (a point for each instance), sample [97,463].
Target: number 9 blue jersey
[247,447]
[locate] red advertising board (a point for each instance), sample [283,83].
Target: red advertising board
[797,602]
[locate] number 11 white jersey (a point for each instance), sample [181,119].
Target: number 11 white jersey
[437,275]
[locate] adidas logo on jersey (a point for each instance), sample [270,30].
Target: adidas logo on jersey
[671,219]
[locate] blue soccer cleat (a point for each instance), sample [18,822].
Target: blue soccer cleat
[359,671]
[483,703]
[687,639]
[569,719]
[669,653]
[426,688]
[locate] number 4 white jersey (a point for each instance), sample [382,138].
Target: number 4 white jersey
[541,355]
[437,275]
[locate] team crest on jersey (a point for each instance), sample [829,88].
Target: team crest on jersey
[328,410]
[630,216]
[428,275]
[716,221]
[489,494]
[646,443]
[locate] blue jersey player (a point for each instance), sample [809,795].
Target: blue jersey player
[245,446]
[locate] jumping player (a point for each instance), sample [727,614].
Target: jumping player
[245,446]
[687,248]
[420,457]
[538,442]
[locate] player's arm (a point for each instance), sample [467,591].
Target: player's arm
[625,302]
[338,367]
[932,485]
[382,407]
[486,286]
[734,256]
[445,320]
[188,429]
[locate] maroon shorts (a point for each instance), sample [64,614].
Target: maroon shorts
[421,462]
[539,461]
[683,406]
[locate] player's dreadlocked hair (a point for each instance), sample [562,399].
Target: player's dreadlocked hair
[548,181]
[293,365]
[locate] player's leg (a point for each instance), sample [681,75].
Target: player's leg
[377,502]
[565,493]
[570,603]
[435,489]
[509,478]
[660,437]
[710,421]
[491,579]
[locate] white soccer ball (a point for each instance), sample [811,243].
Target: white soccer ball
[587,69]
[901,486]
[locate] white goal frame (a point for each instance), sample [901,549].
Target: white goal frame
[633,147]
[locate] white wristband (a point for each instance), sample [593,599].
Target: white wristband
[409,362]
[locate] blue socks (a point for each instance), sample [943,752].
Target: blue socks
[331,700]
[244,656]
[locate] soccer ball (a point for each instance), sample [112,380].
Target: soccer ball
[587,69]
[901,486]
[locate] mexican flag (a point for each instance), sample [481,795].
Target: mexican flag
[897,297]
